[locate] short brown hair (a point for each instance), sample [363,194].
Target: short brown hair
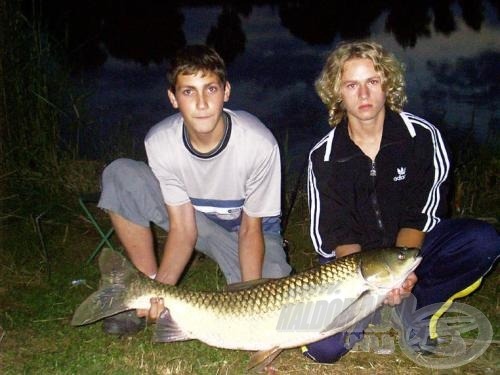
[328,83]
[193,59]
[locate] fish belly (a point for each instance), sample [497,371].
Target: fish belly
[288,326]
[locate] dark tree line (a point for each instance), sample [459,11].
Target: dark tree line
[150,31]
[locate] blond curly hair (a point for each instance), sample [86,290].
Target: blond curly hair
[328,83]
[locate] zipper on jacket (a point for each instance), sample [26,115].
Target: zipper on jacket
[374,200]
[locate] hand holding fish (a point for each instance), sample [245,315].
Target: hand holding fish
[152,314]
[396,296]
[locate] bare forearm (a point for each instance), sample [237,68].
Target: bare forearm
[343,250]
[251,251]
[180,243]
[176,254]
[178,249]
[251,247]
[409,237]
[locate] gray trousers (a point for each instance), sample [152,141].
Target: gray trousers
[130,189]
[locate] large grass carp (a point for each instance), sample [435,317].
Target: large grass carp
[265,316]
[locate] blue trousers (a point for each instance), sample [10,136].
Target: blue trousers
[455,254]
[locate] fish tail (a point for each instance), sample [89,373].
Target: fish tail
[116,275]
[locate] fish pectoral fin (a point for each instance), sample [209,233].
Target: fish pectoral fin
[235,287]
[260,360]
[167,329]
[356,311]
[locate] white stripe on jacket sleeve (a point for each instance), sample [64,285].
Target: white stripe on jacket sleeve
[441,169]
[314,199]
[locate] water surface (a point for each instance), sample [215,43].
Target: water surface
[275,51]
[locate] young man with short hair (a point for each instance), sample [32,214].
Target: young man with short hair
[213,182]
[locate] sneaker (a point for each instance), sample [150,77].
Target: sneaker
[123,324]
[423,346]
[415,335]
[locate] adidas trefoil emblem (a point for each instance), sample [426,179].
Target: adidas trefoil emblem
[401,174]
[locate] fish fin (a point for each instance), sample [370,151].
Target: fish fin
[116,274]
[353,313]
[244,285]
[260,360]
[167,329]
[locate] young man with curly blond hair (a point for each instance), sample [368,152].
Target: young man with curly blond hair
[380,178]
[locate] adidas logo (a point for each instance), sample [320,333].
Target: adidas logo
[401,174]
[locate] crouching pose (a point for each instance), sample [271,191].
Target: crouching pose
[213,181]
[380,178]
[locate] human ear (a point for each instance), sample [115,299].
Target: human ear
[173,100]
[227,91]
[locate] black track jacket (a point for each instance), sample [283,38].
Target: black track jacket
[354,200]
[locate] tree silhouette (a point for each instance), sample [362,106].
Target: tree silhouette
[398,22]
[146,31]
[151,31]
[472,13]
[444,21]
[227,37]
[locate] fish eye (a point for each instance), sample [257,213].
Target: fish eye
[401,256]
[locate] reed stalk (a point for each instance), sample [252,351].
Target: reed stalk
[36,93]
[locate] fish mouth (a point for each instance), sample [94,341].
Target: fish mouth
[416,263]
[418,259]
[413,267]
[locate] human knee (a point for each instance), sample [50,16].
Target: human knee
[118,168]
[486,240]
[123,173]
[276,270]
[275,260]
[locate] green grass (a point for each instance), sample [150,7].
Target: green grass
[35,312]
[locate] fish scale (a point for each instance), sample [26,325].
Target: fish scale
[274,293]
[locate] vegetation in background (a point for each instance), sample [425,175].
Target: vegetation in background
[40,112]
[477,181]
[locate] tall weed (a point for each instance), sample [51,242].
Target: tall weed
[38,103]
[477,181]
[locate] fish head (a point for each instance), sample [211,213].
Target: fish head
[387,268]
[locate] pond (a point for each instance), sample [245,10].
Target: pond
[275,51]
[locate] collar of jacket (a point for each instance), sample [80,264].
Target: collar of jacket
[394,131]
